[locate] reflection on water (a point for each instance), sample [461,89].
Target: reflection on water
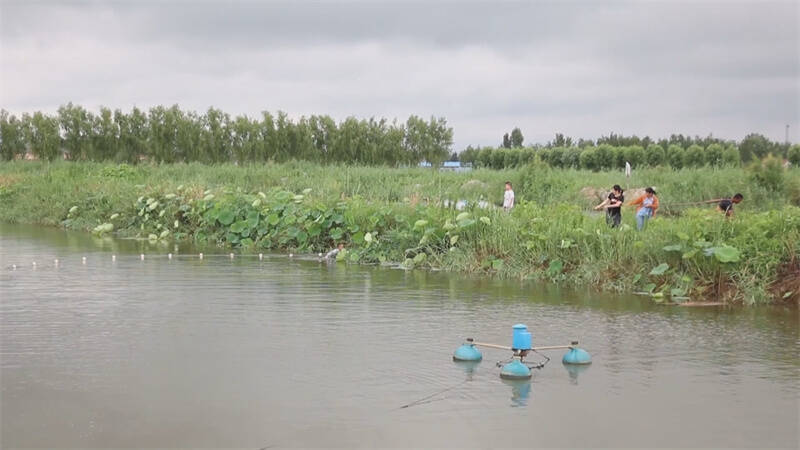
[575,370]
[520,391]
[185,352]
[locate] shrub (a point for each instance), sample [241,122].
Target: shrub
[793,155]
[655,155]
[605,156]
[694,156]
[634,155]
[768,173]
[714,154]
[676,156]
[730,156]
[589,159]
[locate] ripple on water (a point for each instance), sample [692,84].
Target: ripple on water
[297,352]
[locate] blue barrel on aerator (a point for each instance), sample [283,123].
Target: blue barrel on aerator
[521,337]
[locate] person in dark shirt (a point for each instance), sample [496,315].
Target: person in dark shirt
[726,204]
[613,206]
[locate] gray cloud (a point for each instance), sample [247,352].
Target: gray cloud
[582,68]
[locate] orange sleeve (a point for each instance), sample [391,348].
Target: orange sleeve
[655,203]
[638,201]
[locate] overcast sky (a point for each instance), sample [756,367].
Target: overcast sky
[580,68]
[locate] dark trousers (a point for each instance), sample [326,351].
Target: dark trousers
[613,219]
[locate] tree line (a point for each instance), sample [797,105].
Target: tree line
[613,151]
[169,134]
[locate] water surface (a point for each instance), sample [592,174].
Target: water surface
[282,352]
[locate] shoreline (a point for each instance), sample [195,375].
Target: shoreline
[694,256]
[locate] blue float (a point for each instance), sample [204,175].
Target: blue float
[467,352]
[577,355]
[515,370]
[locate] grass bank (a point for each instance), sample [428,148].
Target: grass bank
[399,216]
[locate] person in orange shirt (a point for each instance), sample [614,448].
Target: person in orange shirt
[646,207]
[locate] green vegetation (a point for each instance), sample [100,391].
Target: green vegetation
[608,157]
[172,135]
[406,216]
[613,151]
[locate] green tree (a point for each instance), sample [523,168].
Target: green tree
[714,155]
[605,156]
[516,138]
[753,146]
[506,141]
[695,156]
[105,136]
[655,155]
[589,159]
[43,136]
[76,125]
[794,155]
[635,155]
[441,140]
[12,136]
[730,156]
[676,156]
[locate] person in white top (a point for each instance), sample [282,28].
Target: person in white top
[508,198]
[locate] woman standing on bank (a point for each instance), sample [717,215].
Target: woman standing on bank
[613,206]
[646,207]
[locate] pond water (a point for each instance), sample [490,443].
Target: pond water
[216,352]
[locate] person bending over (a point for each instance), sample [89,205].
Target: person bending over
[726,204]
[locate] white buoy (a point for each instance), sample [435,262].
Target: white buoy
[55,261]
[169,255]
[141,256]
[113,257]
[319,254]
[291,255]
[260,256]
[14,266]
[83,260]
[201,256]
[231,255]
[34,264]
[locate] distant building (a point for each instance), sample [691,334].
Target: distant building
[453,166]
[456,166]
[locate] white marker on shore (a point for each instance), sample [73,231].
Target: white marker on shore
[14,266]
[141,256]
[55,261]
[291,255]
[34,264]
[201,256]
[231,255]
[260,256]
[83,260]
[113,257]
[169,255]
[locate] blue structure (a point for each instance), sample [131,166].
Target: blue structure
[521,346]
[521,338]
[467,352]
[577,355]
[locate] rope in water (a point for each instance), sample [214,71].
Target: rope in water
[428,398]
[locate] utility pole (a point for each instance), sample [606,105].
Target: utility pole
[787,134]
